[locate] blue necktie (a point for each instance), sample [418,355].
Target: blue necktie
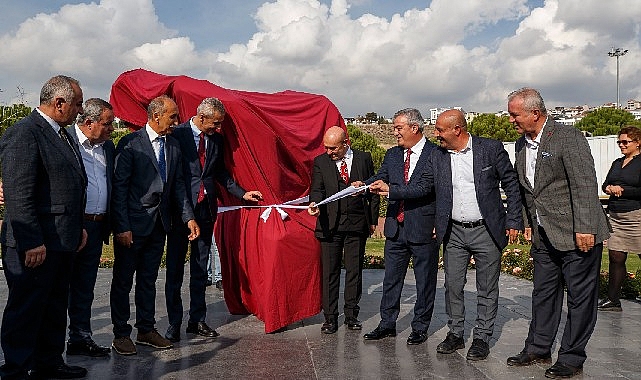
[162,165]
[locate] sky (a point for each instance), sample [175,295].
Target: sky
[364,55]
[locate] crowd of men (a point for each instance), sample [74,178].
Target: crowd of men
[67,188]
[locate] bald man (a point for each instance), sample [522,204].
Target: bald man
[342,226]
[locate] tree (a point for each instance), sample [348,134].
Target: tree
[11,114]
[371,117]
[606,121]
[366,143]
[494,127]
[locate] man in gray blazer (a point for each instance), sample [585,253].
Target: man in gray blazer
[91,134]
[44,191]
[147,184]
[560,196]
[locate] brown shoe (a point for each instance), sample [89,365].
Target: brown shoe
[153,339]
[124,346]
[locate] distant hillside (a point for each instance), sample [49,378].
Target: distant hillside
[383,133]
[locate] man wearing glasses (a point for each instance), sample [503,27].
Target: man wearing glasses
[202,151]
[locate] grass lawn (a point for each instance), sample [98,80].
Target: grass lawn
[375,247]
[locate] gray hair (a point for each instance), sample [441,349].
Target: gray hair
[157,105]
[209,106]
[92,110]
[532,99]
[58,86]
[413,117]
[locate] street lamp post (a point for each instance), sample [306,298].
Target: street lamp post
[617,52]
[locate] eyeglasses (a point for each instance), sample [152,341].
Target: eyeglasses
[624,142]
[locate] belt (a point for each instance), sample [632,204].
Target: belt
[95,217]
[474,224]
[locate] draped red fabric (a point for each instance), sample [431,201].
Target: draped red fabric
[270,269]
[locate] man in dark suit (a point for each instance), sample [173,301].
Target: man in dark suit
[342,226]
[408,228]
[560,196]
[202,157]
[148,182]
[44,191]
[470,226]
[91,134]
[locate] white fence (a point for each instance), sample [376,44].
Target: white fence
[604,151]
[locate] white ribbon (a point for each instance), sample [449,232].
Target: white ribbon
[295,203]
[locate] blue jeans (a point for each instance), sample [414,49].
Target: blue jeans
[214,273]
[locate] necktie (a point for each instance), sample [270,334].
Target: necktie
[201,157]
[65,138]
[406,171]
[344,173]
[162,165]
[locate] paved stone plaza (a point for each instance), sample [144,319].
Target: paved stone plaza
[244,351]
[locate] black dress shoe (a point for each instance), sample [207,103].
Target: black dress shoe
[479,350]
[562,371]
[329,327]
[208,283]
[607,305]
[450,344]
[219,284]
[379,333]
[173,333]
[87,348]
[61,371]
[201,329]
[524,358]
[417,337]
[353,324]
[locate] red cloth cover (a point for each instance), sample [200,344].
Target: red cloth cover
[269,269]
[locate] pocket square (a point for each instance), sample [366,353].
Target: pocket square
[486,168]
[546,154]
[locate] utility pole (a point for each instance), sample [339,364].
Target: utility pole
[617,52]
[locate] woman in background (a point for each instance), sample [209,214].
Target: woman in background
[623,185]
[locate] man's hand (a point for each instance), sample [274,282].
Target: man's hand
[1,194]
[35,256]
[513,235]
[253,196]
[312,209]
[527,233]
[125,239]
[372,229]
[357,183]
[194,230]
[83,241]
[379,187]
[585,242]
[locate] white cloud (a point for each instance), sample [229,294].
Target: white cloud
[419,57]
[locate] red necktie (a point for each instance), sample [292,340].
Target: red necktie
[406,171]
[344,173]
[201,157]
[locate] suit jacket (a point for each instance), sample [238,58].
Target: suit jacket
[44,187]
[491,167]
[214,169]
[138,195]
[419,210]
[565,192]
[326,181]
[109,150]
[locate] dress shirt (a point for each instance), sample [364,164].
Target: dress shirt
[53,123]
[417,149]
[349,157]
[197,132]
[465,207]
[154,142]
[531,153]
[93,157]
